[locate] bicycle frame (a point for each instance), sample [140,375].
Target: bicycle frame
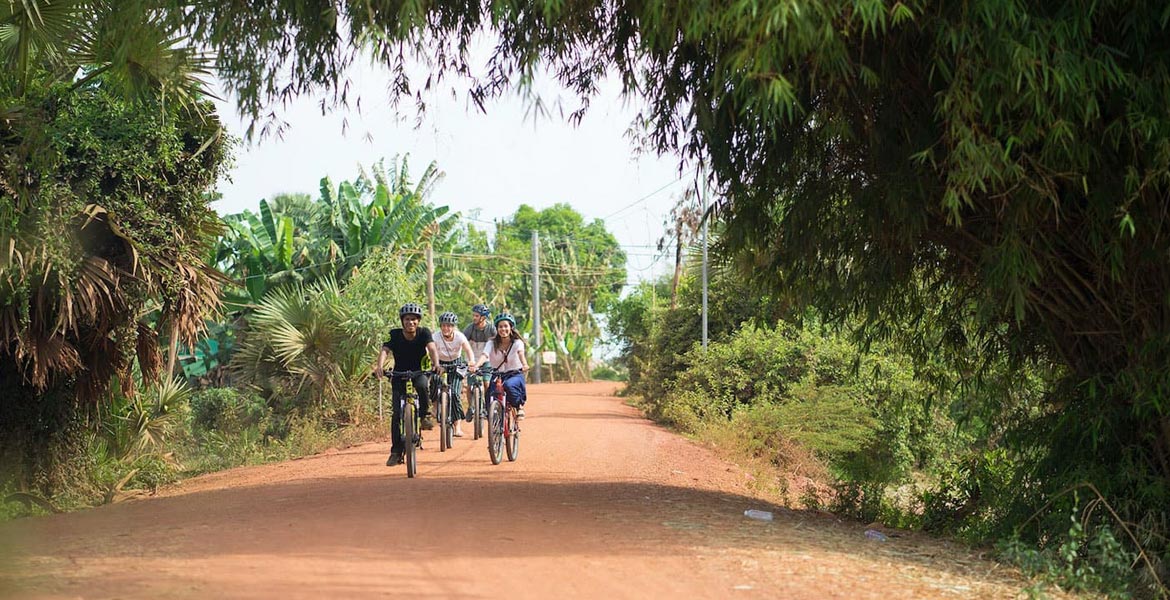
[408,396]
[510,427]
[477,384]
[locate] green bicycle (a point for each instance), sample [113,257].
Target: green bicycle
[411,424]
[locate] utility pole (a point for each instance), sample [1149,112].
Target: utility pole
[430,280]
[704,217]
[536,305]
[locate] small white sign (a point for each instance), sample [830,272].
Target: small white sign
[548,358]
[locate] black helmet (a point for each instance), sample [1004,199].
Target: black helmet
[449,317]
[505,317]
[480,309]
[410,308]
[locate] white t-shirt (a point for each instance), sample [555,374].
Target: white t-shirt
[498,361]
[449,350]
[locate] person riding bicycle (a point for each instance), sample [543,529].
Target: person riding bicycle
[408,345]
[451,344]
[505,353]
[478,333]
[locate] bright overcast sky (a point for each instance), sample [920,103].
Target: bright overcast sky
[493,162]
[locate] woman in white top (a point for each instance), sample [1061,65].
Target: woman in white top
[450,345]
[505,353]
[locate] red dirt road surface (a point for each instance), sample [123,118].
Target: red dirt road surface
[600,504]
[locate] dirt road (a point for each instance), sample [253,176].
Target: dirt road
[601,503]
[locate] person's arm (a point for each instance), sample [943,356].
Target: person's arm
[483,358]
[523,356]
[381,363]
[470,354]
[433,350]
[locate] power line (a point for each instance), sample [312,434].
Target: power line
[648,196]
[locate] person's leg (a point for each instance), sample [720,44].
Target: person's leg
[517,392]
[424,402]
[397,392]
[469,414]
[457,413]
[456,383]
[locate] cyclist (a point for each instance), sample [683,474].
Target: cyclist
[451,344]
[478,333]
[408,345]
[505,353]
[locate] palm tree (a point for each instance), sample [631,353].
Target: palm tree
[124,42]
[106,152]
[298,335]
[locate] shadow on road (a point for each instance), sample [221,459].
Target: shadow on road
[368,517]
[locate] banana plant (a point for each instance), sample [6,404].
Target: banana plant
[259,251]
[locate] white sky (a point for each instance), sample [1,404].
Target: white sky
[493,162]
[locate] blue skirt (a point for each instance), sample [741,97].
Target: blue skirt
[514,389]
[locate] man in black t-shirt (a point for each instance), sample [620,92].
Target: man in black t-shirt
[407,345]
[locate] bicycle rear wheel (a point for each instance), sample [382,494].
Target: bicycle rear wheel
[409,437]
[475,404]
[512,435]
[495,431]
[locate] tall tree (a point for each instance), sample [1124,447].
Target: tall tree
[582,269]
[106,155]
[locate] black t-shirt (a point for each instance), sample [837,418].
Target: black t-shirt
[408,354]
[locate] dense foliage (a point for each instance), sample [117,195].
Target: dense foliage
[981,185]
[298,239]
[105,219]
[988,177]
[582,269]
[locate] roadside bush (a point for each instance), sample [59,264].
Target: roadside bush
[227,410]
[868,415]
[1087,559]
[607,372]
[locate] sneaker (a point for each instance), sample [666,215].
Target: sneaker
[458,433]
[520,413]
[395,459]
[428,423]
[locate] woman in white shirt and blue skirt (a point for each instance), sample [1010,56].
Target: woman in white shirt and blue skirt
[505,353]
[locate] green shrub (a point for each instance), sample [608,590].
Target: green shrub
[868,413]
[607,372]
[1084,559]
[227,410]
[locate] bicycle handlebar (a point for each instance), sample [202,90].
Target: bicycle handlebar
[402,374]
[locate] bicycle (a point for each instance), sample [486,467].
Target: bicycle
[411,423]
[475,403]
[503,424]
[441,388]
[448,397]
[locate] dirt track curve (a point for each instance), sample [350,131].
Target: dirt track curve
[601,504]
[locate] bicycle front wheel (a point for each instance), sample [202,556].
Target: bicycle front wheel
[495,431]
[410,434]
[444,410]
[512,435]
